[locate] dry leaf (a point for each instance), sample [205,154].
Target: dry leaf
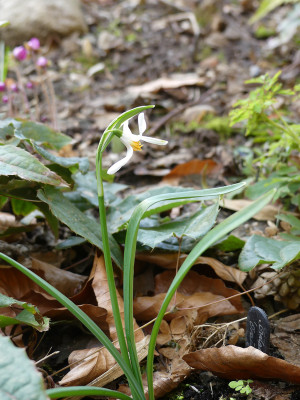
[169,261]
[268,213]
[102,361]
[173,82]
[232,362]
[193,167]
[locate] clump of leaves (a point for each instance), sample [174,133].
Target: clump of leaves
[276,137]
[241,386]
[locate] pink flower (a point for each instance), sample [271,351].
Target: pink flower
[29,85]
[20,53]
[5,99]
[2,86]
[34,43]
[42,62]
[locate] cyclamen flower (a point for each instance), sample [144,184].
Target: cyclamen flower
[20,53]
[42,62]
[133,142]
[5,99]
[34,43]
[2,86]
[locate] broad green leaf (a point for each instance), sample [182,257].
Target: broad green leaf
[29,316]
[77,221]
[18,162]
[259,249]
[193,227]
[81,163]
[70,242]
[40,134]
[19,380]
[22,207]
[119,214]
[6,301]
[231,243]
[86,185]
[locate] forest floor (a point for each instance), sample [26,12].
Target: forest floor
[191,60]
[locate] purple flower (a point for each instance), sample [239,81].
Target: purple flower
[20,53]
[14,87]
[5,99]
[29,85]
[34,43]
[42,62]
[2,86]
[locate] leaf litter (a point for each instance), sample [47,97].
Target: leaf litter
[130,71]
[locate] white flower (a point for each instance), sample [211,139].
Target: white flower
[133,143]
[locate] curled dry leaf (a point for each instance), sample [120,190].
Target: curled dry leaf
[198,297]
[169,261]
[102,361]
[15,284]
[232,362]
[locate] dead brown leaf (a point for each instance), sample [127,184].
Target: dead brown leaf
[268,213]
[232,362]
[194,167]
[286,338]
[102,361]
[169,261]
[172,82]
[195,298]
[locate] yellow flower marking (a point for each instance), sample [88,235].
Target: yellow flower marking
[137,146]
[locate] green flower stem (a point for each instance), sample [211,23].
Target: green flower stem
[82,317]
[286,128]
[108,261]
[209,239]
[85,391]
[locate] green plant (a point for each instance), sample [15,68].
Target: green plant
[275,137]
[127,356]
[241,386]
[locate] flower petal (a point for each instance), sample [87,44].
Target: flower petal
[152,140]
[142,123]
[119,164]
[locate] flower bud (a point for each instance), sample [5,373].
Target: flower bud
[20,53]
[42,62]
[5,99]
[29,85]
[14,87]
[2,86]
[34,43]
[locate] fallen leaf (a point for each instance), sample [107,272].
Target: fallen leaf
[286,338]
[172,82]
[193,167]
[232,362]
[268,213]
[99,363]
[169,261]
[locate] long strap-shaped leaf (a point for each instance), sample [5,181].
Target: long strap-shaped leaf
[209,239]
[79,314]
[130,248]
[85,391]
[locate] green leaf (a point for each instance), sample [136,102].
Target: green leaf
[40,134]
[19,380]
[77,221]
[86,185]
[119,214]
[22,207]
[231,243]
[259,249]
[193,227]
[18,162]
[4,23]
[29,316]
[81,163]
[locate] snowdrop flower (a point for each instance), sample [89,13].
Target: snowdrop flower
[133,142]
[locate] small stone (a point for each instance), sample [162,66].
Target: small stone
[254,71]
